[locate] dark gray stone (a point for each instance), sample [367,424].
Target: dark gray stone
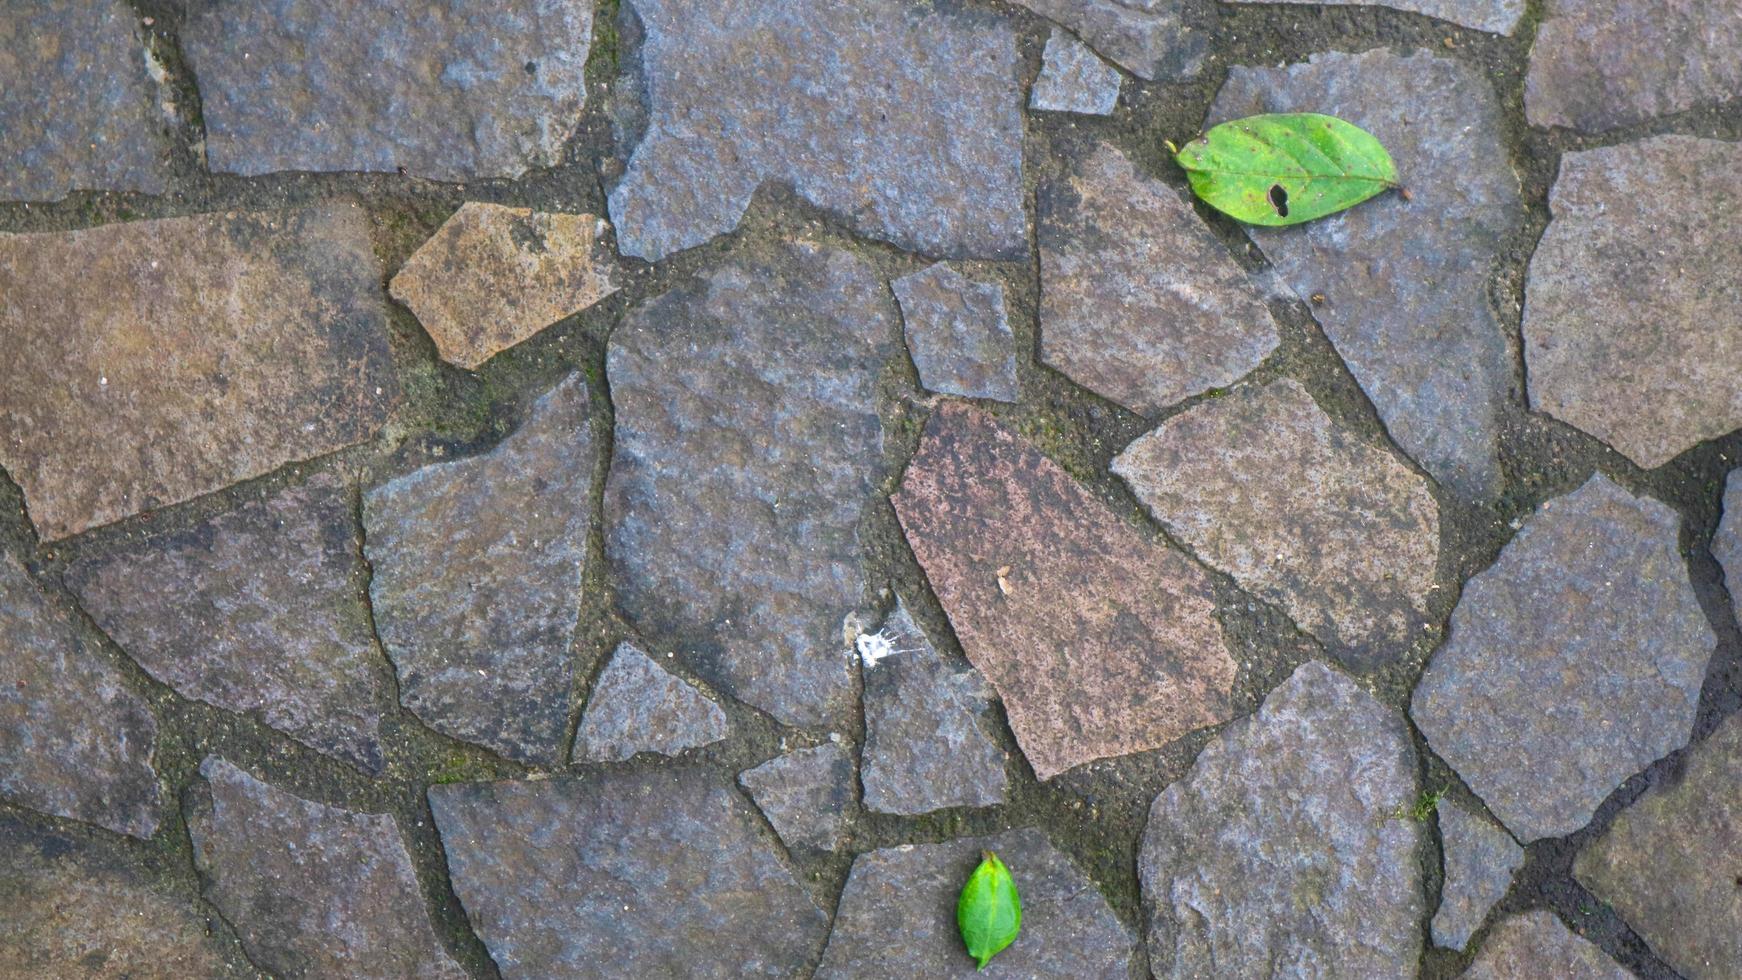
[1536,945]
[258,611]
[1139,302]
[1480,859]
[1074,79]
[747,447]
[1406,282]
[906,119]
[1148,38]
[1283,851]
[1574,661]
[897,915]
[312,890]
[636,706]
[958,334]
[1727,542]
[927,739]
[76,742]
[445,89]
[477,582]
[1493,16]
[653,874]
[805,795]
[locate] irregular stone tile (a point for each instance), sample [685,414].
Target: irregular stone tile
[1668,862]
[1600,64]
[1145,37]
[907,120]
[1493,16]
[958,334]
[805,795]
[1100,639]
[897,915]
[492,276]
[1282,853]
[747,447]
[1574,661]
[1536,944]
[1074,79]
[1302,512]
[1139,302]
[150,362]
[1630,323]
[1727,542]
[75,741]
[1479,862]
[477,583]
[445,91]
[312,890]
[258,611]
[926,742]
[636,706]
[1406,283]
[81,110]
[654,873]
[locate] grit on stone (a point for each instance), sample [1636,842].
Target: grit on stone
[1283,851]
[897,915]
[958,334]
[76,742]
[1573,662]
[627,875]
[151,362]
[1633,308]
[747,447]
[1727,541]
[1139,301]
[311,890]
[81,110]
[638,706]
[1302,512]
[1148,38]
[446,89]
[905,119]
[259,611]
[1480,859]
[1406,282]
[1536,944]
[1668,862]
[805,795]
[1073,78]
[1101,639]
[1493,16]
[477,583]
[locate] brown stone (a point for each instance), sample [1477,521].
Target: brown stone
[154,361]
[1536,944]
[1101,639]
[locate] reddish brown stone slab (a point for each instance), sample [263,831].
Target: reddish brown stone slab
[1100,639]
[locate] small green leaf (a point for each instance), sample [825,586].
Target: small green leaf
[1286,168]
[989,913]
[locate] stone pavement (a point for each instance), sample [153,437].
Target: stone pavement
[652,488]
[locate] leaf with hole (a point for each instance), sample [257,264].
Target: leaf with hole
[989,913]
[1286,168]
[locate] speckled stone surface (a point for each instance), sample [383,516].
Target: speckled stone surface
[805,795]
[1536,944]
[1148,38]
[1493,16]
[1479,861]
[1727,541]
[958,334]
[1074,79]
[638,706]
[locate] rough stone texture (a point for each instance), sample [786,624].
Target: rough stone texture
[477,582]
[81,110]
[1479,862]
[154,361]
[492,276]
[1493,16]
[1148,38]
[905,119]
[897,915]
[805,795]
[312,890]
[1073,78]
[1100,639]
[1589,611]
[637,706]
[1139,302]
[1536,944]
[258,611]
[1600,64]
[1631,322]
[1727,542]
[1406,283]
[75,741]
[747,446]
[927,745]
[446,89]
[647,874]
[1668,862]
[958,334]
[1281,853]
[1263,485]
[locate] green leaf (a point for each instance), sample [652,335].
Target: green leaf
[1286,168]
[989,913]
